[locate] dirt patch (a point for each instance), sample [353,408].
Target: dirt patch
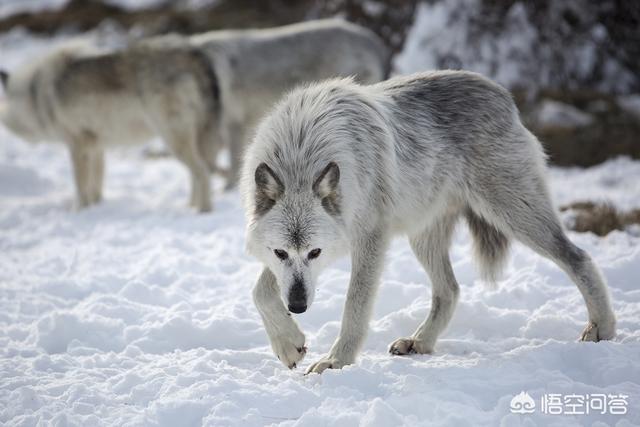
[600,218]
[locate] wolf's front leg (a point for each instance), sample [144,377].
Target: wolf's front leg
[81,155]
[287,340]
[97,174]
[367,260]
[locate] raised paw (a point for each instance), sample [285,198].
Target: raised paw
[290,350]
[404,346]
[595,333]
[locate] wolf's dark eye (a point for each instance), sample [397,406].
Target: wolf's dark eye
[315,253]
[281,254]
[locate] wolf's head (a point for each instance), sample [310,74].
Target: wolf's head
[296,231]
[17,108]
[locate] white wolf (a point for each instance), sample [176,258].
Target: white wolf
[89,99]
[197,93]
[338,167]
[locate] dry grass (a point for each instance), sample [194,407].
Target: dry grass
[600,218]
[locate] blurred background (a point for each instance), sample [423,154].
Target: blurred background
[573,65]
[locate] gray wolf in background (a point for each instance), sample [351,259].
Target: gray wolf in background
[90,99]
[340,168]
[197,93]
[256,67]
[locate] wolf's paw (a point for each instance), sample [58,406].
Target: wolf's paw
[404,346]
[595,333]
[327,362]
[290,349]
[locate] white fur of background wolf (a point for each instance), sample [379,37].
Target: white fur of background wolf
[198,93]
[90,99]
[256,67]
[414,154]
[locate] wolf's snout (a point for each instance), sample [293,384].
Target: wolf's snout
[297,298]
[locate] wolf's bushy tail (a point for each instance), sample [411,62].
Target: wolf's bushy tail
[490,247]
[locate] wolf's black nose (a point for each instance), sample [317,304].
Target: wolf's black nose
[297,309]
[297,298]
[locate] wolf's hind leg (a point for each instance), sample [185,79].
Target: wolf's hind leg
[431,247]
[210,141]
[236,141]
[287,341]
[526,213]
[185,149]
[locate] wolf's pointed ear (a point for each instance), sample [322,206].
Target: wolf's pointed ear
[4,77]
[326,184]
[269,188]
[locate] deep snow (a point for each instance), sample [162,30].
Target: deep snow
[139,312]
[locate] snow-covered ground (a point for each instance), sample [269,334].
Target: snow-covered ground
[139,312]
